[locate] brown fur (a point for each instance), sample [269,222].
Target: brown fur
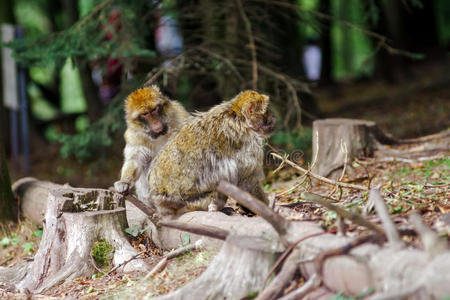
[142,142]
[224,143]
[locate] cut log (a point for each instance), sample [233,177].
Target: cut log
[337,141]
[74,220]
[33,194]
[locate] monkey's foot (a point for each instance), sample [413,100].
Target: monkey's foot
[213,207]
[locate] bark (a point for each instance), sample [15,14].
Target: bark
[331,135]
[6,16]
[74,220]
[8,205]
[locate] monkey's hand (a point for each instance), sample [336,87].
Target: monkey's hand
[122,187]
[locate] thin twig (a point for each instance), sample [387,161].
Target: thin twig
[305,175]
[125,262]
[95,265]
[282,279]
[381,38]
[336,187]
[321,178]
[311,284]
[172,254]
[319,260]
[251,40]
[354,217]
[224,59]
[287,252]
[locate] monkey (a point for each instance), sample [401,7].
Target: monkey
[224,143]
[151,119]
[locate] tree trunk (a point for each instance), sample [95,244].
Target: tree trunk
[8,205]
[326,72]
[345,8]
[90,90]
[6,16]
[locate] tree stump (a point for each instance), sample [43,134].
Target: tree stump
[75,219]
[237,271]
[335,140]
[332,136]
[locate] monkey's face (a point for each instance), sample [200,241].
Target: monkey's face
[146,110]
[254,108]
[264,124]
[153,120]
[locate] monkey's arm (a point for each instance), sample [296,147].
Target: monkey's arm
[136,158]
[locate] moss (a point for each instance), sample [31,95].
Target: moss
[102,252]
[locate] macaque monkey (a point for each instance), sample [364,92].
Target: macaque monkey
[151,120]
[224,143]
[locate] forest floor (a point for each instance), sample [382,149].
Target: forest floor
[417,108]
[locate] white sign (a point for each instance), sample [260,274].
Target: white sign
[9,70]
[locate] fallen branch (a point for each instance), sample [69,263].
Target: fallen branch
[354,217]
[287,252]
[321,178]
[172,254]
[209,231]
[319,260]
[283,278]
[125,262]
[311,284]
[255,205]
[382,211]
[432,243]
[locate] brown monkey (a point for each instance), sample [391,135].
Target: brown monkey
[151,120]
[224,143]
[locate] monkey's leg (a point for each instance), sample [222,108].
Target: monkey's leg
[217,201]
[254,187]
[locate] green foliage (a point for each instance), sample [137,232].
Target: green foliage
[28,247]
[102,252]
[86,144]
[134,230]
[13,240]
[301,139]
[37,233]
[186,239]
[252,295]
[88,39]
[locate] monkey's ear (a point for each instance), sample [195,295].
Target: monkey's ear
[250,108]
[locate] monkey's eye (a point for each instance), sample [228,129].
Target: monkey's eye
[156,110]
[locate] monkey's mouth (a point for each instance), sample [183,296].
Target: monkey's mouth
[269,124]
[155,135]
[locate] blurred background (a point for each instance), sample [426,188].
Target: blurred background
[68,65]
